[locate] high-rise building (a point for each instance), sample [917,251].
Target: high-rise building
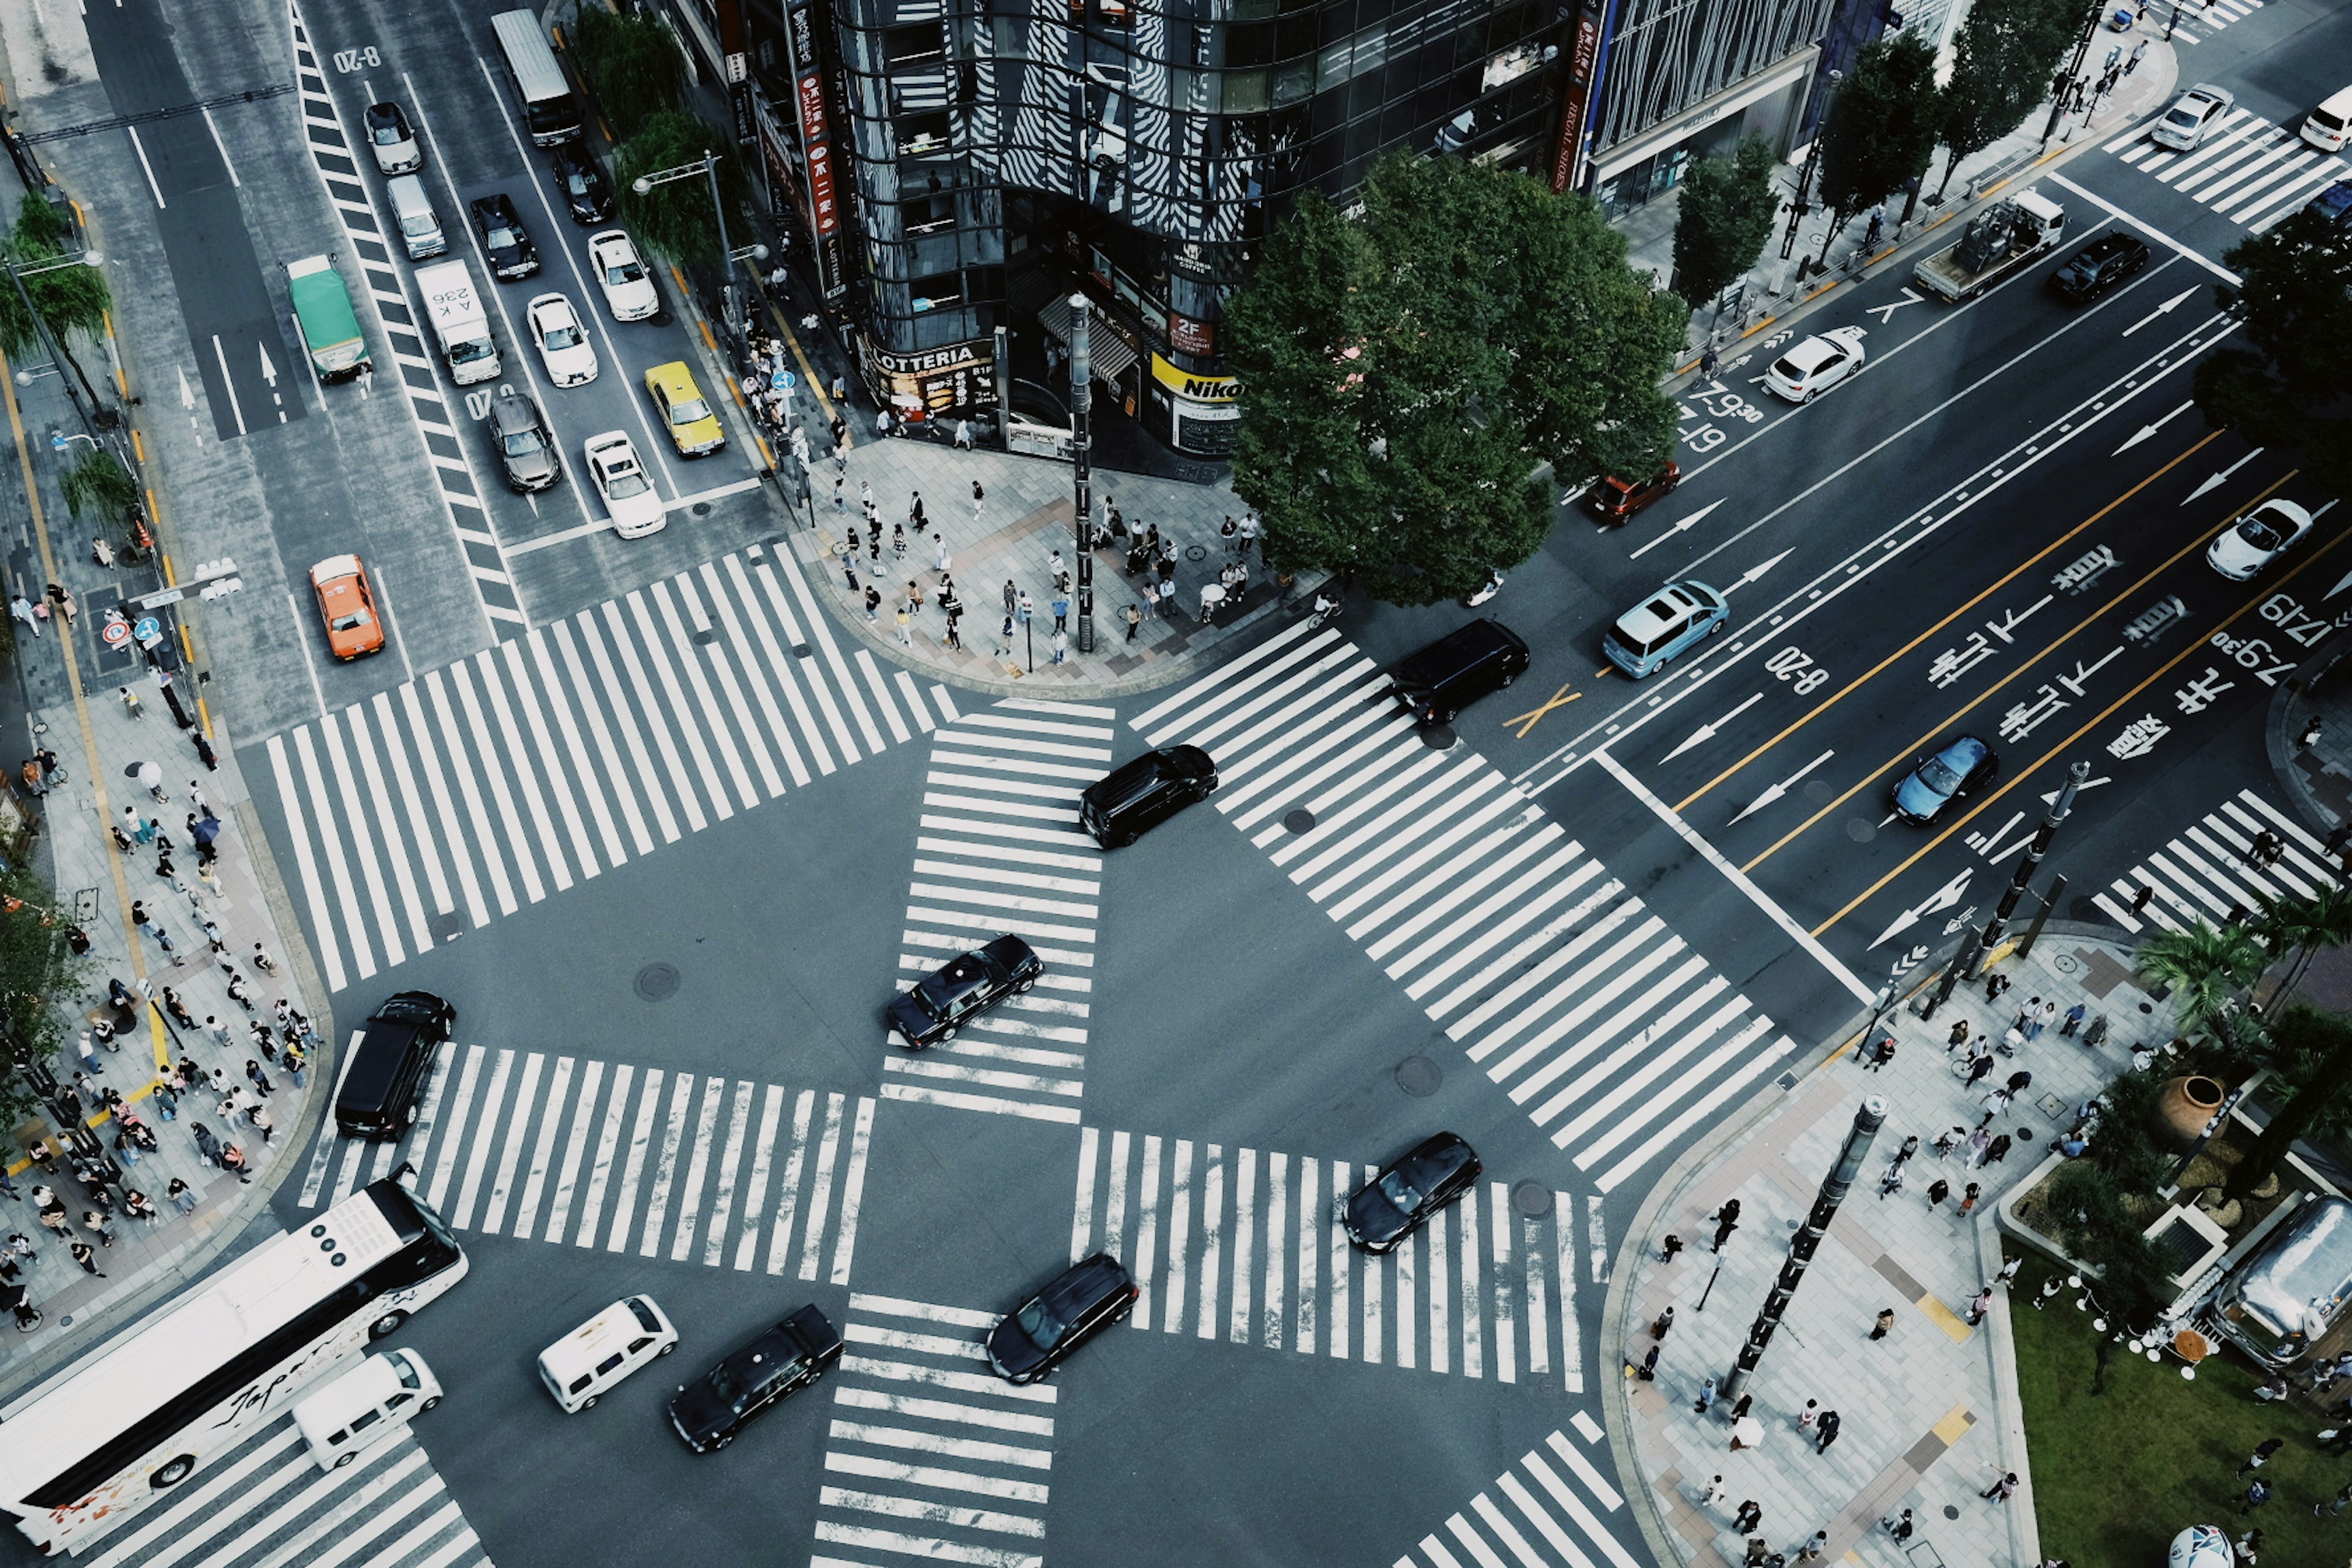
[962,166]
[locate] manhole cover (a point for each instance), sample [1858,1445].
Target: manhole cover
[2146,1007]
[2025,1134]
[1300,821]
[1437,737]
[1861,832]
[656,981]
[1196,552]
[1951,1512]
[447,928]
[701,508]
[802,651]
[1419,1077]
[1531,1198]
[706,637]
[1819,791]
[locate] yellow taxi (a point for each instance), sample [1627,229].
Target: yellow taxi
[686,414]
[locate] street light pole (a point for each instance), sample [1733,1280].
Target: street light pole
[1799,208]
[17,275]
[707,166]
[1081,449]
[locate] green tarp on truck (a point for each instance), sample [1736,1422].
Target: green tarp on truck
[322,311]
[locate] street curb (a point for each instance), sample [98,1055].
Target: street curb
[2278,723]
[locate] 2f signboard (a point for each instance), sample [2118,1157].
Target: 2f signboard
[823,206]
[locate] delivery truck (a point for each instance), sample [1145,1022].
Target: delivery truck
[329,327]
[459,323]
[1999,240]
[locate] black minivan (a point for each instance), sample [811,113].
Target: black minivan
[1436,683]
[392,1064]
[1145,792]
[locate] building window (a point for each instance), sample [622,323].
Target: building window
[911,48]
[937,292]
[922,135]
[929,214]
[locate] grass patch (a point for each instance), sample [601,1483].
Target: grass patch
[2116,1474]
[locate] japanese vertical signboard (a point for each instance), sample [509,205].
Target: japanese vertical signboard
[1575,99]
[821,204]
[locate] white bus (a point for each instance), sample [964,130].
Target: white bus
[549,108]
[136,1419]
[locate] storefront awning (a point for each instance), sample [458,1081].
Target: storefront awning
[1036,293]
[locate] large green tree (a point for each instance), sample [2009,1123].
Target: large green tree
[1724,219]
[2204,969]
[39,978]
[2313,1054]
[632,65]
[1881,129]
[72,300]
[2002,63]
[1408,373]
[676,219]
[2279,383]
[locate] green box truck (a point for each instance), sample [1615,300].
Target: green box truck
[323,315]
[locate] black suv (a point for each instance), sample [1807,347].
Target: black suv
[2099,267]
[392,1064]
[1400,1200]
[710,1410]
[525,446]
[504,239]
[1436,683]
[1145,792]
[585,190]
[1029,1341]
[961,991]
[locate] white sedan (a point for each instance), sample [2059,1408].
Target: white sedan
[2261,537]
[629,494]
[1815,365]
[562,341]
[620,273]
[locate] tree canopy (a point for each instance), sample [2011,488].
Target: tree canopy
[1728,209]
[1407,372]
[2002,63]
[676,219]
[37,976]
[2279,382]
[632,65]
[71,298]
[1881,130]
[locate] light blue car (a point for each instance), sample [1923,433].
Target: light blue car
[1670,620]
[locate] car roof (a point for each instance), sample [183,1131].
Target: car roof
[674,378]
[510,402]
[1966,745]
[611,446]
[496,204]
[2108,244]
[336,567]
[603,238]
[1452,1146]
[1085,1282]
[1814,352]
[2299,516]
[1669,606]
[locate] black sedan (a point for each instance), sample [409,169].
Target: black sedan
[708,1412]
[962,990]
[1155,786]
[1933,782]
[526,446]
[585,190]
[504,239]
[1028,1342]
[1400,1200]
[2099,267]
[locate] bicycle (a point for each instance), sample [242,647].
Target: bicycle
[1322,610]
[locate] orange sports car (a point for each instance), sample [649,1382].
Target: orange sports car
[347,604]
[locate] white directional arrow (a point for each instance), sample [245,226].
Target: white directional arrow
[2341,584]
[1943,897]
[2164,310]
[1777,790]
[1691,521]
[2145,431]
[187,392]
[268,371]
[2215,482]
[1706,731]
[1757,571]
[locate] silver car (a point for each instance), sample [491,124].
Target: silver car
[2194,116]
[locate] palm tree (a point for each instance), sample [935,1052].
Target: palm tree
[2203,968]
[2306,925]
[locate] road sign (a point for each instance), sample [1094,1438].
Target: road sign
[148,629]
[116,634]
[783,381]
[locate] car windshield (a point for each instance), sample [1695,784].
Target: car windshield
[723,1384]
[501,237]
[2261,532]
[388,133]
[1043,1329]
[575,182]
[1937,775]
[349,621]
[522,443]
[565,336]
[2184,117]
[626,483]
[1398,1191]
[623,272]
[933,995]
[690,411]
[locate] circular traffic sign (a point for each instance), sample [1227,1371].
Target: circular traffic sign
[783,381]
[148,629]
[117,633]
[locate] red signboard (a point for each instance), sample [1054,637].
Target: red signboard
[1186,335]
[1574,97]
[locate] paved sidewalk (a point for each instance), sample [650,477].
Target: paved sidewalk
[1929,1413]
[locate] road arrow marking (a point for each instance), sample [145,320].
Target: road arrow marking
[187,393]
[2215,482]
[268,371]
[2164,310]
[1691,521]
[1706,731]
[1757,571]
[2145,431]
[1943,897]
[1777,790]
[2341,584]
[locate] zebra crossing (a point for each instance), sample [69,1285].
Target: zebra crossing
[559,754]
[2251,172]
[2194,21]
[1553,977]
[1001,812]
[266,1503]
[2208,871]
[1243,1245]
[930,1457]
[1551,1495]
[617,1156]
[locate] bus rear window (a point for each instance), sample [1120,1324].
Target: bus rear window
[550,115]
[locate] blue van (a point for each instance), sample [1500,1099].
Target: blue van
[1670,620]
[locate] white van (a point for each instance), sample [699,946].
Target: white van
[365,1406]
[459,323]
[412,210]
[2330,125]
[579,1367]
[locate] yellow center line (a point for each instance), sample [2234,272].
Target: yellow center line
[2202,644]
[1876,670]
[2025,668]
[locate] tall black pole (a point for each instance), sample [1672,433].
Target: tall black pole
[1081,446]
[1799,208]
[2063,88]
[1808,1240]
[2032,858]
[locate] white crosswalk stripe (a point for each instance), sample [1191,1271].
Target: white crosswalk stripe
[1000,850]
[1546,1510]
[2209,871]
[2249,171]
[569,749]
[1244,1246]
[2194,21]
[1592,1014]
[931,1458]
[612,1155]
[266,1504]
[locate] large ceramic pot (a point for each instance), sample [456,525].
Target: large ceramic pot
[2187,1103]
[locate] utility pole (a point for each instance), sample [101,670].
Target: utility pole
[1808,1240]
[1081,396]
[1964,967]
[1798,209]
[2062,89]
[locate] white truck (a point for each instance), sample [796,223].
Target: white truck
[459,323]
[2000,240]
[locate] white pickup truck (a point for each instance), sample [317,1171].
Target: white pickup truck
[2000,240]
